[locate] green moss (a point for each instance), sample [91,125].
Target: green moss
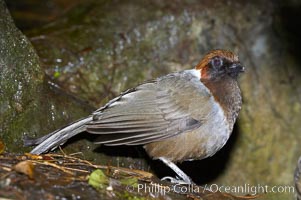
[133,182]
[98,179]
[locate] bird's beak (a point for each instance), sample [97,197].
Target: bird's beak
[237,68]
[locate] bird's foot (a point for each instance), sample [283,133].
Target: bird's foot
[176,180]
[183,178]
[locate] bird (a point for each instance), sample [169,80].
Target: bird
[182,116]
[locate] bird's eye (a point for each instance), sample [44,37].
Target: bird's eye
[216,62]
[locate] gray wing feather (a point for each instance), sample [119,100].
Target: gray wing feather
[150,112]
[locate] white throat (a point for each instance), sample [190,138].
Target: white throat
[196,72]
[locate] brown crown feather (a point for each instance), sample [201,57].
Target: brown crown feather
[219,52]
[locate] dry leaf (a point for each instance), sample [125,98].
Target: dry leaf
[25,167]
[2,147]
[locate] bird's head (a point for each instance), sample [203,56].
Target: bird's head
[219,63]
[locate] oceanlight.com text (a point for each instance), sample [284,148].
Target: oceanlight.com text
[234,189]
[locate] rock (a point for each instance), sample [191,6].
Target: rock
[28,105]
[21,78]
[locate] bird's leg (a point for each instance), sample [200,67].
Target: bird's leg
[185,179]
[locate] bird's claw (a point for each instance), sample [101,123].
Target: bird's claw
[174,180]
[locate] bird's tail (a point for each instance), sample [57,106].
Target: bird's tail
[58,137]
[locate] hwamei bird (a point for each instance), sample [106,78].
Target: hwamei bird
[183,116]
